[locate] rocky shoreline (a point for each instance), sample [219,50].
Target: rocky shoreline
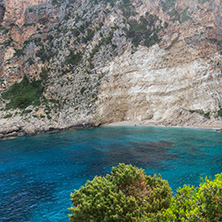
[28,130]
[20,131]
[215,126]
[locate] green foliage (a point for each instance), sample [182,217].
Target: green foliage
[127,8]
[75,32]
[19,52]
[203,1]
[185,16]
[215,41]
[43,54]
[201,112]
[28,24]
[12,24]
[74,57]
[30,10]
[219,112]
[174,14]
[201,204]
[30,61]
[8,42]
[8,116]
[37,41]
[83,89]
[23,94]
[49,38]
[44,74]
[103,41]
[89,36]
[127,194]
[3,30]
[145,31]
[167,4]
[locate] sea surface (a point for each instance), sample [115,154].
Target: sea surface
[38,173]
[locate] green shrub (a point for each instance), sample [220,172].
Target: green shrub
[219,112]
[83,89]
[8,116]
[23,94]
[127,194]
[144,32]
[75,32]
[74,58]
[49,38]
[8,42]
[167,4]
[197,204]
[89,36]
[18,52]
[43,55]
[201,112]
[185,16]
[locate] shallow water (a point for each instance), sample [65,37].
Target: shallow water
[38,173]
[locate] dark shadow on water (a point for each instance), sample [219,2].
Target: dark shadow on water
[142,154]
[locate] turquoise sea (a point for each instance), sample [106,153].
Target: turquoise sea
[38,173]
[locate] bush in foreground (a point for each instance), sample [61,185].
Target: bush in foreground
[129,195]
[197,204]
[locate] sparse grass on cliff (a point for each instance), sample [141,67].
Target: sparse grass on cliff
[23,94]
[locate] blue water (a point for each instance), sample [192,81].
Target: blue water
[38,173]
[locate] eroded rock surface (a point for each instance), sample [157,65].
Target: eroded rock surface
[107,61]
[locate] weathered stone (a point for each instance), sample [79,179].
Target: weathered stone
[176,81]
[12,134]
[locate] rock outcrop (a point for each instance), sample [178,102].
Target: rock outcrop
[97,62]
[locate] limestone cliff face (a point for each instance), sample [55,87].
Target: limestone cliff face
[141,87]
[105,61]
[173,81]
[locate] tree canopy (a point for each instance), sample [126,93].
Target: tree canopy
[127,194]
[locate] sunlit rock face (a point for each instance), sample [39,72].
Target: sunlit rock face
[141,87]
[108,61]
[176,82]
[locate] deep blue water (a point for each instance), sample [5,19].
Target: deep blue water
[38,173]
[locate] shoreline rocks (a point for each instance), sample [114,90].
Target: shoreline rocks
[31,131]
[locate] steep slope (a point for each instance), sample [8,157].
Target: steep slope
[103,61]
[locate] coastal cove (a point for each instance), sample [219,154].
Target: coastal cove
[39,172]
[13,129]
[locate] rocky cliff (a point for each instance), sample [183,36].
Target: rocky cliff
[73,62]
